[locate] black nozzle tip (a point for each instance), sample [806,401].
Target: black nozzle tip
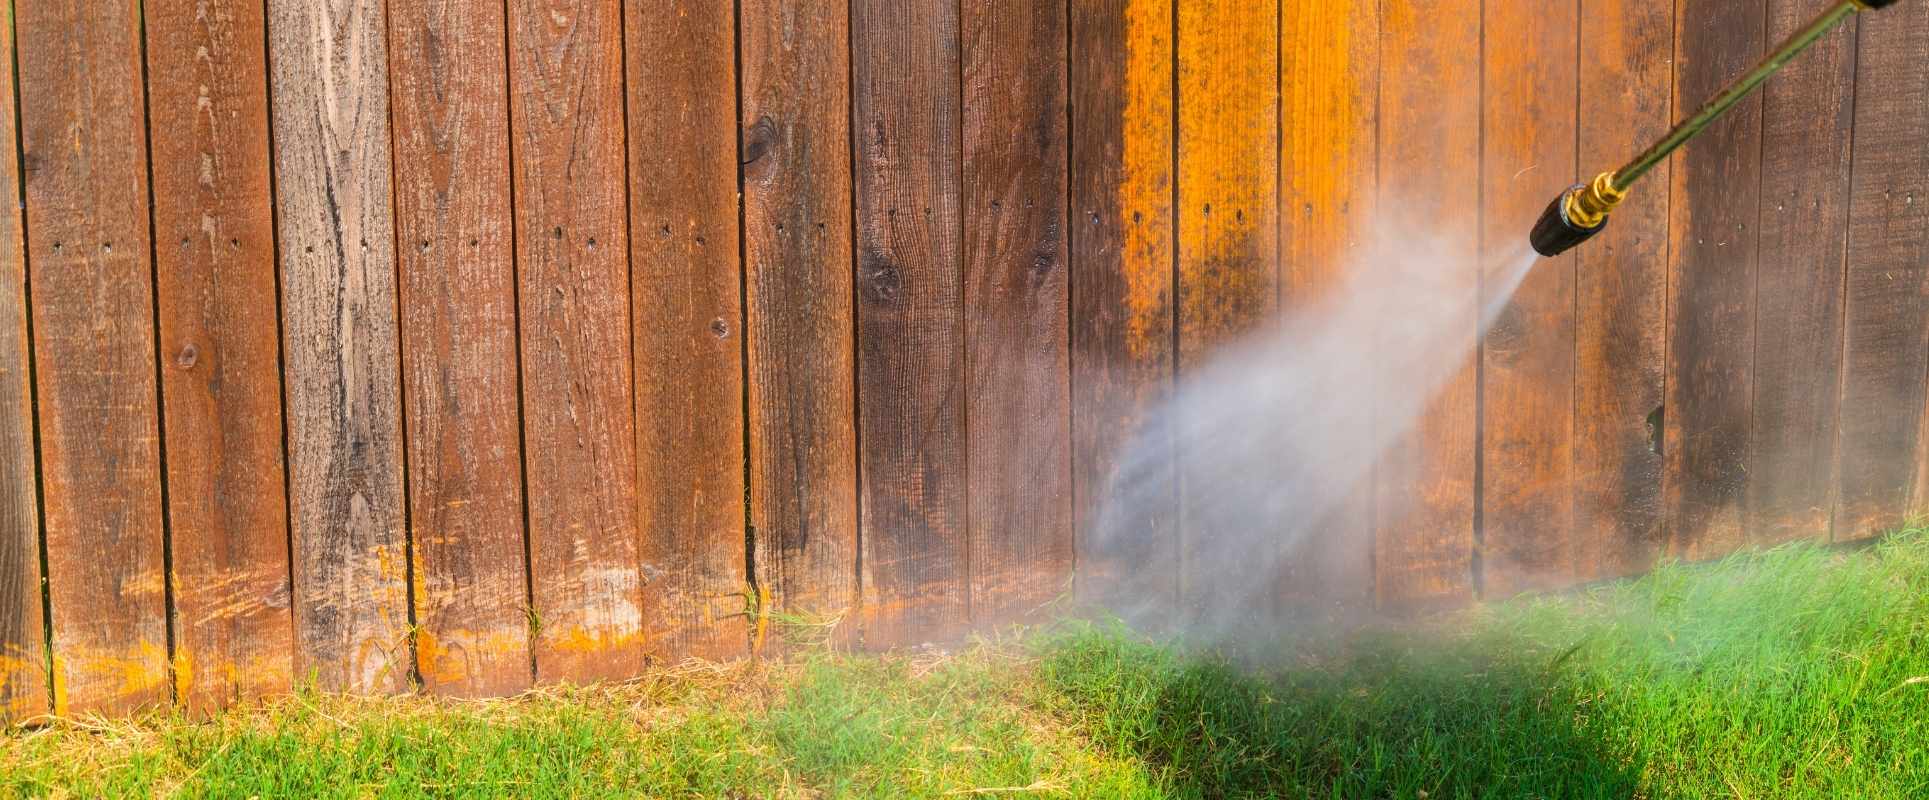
[1553,234]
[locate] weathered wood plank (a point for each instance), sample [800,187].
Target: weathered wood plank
[82,128]
[566,112]
[797,247]
[689,358]
[448,84]
[910,330]
[23,632]
[220,357]
[329,84]
[1122,241]
[1716,184]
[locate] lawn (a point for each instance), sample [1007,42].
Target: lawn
[1796,672]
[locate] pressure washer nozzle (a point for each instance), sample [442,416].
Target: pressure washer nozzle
[1575,216]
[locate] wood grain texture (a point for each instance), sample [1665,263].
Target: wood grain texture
[23,632]
[448,84]
[329,83]
[1122,241]
[1807,117]
[689,357]
[1882,444]
[93,321]
[1015,307]
[796,149]
[1620,311]
[1529,113]
[566,114]
[1711,282]
[910,321]
[1228,222]
[220,359]
[1330,78]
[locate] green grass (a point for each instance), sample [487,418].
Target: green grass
[1799,672]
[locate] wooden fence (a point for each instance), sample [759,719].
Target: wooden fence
[470,344]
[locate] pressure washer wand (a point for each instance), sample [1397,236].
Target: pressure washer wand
[1582,211]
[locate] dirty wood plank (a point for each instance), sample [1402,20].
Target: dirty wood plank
[1715,188]
[572,254]
[220,357]
[1330,80]
[329,78]
[1528,539]
[689,358]
[448,83]
[910,325]
[1621,296]
[1882,445]
[1807,116]
[93,324]
[1429,125]
[1121,261]
[23,634]
[1015,306]
[797,244]
[1228,204]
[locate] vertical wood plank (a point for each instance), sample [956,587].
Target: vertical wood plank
[687,282]
[566,112]
[1807,118]
[1122,242]
[23,632]
[1882,446]
[910,322]
[449,88]
[220,358]
[1429,139]
[1228,207]
[1620,322]
[92,300]
[797,243]
[1330,77]
[1015,306]
[329,84]
[1528,111]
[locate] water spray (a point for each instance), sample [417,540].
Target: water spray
[1582,211]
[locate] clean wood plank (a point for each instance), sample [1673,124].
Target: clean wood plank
[566,112]
[23,632]
[1620,328]
[1528,74]
[1716,185]
[1330,79]
[1882,445]
[1228,220]
[220,358]
[1122,240]
[1015,307]
[92,300]
[448,84]
[910,329]
[329,83]
[689,358]
[1807,117]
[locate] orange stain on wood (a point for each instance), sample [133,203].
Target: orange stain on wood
[1147,181]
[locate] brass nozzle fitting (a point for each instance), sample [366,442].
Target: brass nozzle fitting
[1590,206]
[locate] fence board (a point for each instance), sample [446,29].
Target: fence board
[448,84]
[796,149]
[23,632]
[220,361]
[566,114]
[1429,135]
[1882,444]
[93,323]
[1015,308]
[1121,338]
[687,275]
[1529,112]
